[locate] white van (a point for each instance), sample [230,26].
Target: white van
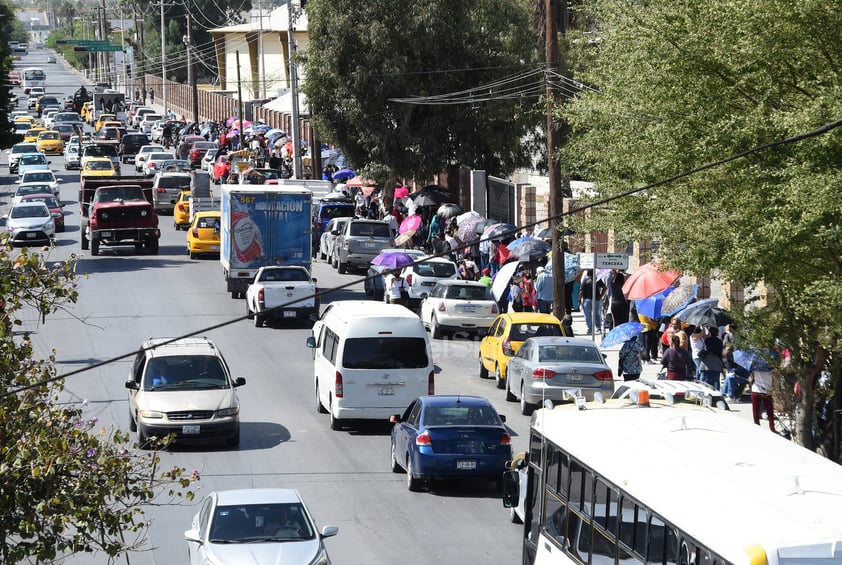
[370,360]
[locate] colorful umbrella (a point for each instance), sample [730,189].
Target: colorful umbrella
[344,174]
[679,298]
[648,280]
[401,192]
[622,334]
[502,279]
[412,222]
[431,198]
[467,229]
[651,307]
[393,260]
[481,226]
[262,128]
[358,182]
[404,238]
[469,215]
[448,210]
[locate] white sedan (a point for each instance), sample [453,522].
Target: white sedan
[264,525]
[152,162]
[458,306]
[143,152]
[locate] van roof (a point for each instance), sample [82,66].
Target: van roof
[346,310]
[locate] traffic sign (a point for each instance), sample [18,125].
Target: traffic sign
[87,42]
[604,261]
[104,48]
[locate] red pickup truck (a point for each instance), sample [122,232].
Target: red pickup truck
[118,212]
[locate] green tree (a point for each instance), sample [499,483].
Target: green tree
[67,484]
[681,84]
[365,59]
[11,29]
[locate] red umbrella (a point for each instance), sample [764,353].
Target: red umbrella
[358,182]
[648,280]
[412,222]
[401,192]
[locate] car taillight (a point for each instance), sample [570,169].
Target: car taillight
[409,280]
[505,439]
[337,388]
[507,347]
[195,232]
[182,207]
[494,309]
[604,376]
[152,166]
[423,439]
[542,373]
[260,296]
[441,307]
[160,190]
[431,384]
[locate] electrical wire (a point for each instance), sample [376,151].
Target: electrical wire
[575,210]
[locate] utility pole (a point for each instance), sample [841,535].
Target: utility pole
[239,100]
[191,72]
[553,166]
[293,87]
[164,58]
[138,22]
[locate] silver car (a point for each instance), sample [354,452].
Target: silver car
[30,223]
[360,242]
[329,237]
[545,367]
[72,157]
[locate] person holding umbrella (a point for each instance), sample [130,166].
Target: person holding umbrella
[710,359]
[398,289]
[631,364]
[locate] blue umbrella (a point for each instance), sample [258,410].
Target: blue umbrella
[651,307]
[744,359]
[622,334]
[393,260]
[529,248]
[344,174]
[571,267]
[261,128]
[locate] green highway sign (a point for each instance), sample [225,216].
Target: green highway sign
[103,48]
[88,42]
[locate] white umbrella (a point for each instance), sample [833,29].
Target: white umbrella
[501,281]
[467,216]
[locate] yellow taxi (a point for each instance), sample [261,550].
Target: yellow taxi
[24,120]
[50,143]
[203,234]
[31,136]
[98,167]
[181,211]
[505,336]
[104,118]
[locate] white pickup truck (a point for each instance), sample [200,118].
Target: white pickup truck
[281,292]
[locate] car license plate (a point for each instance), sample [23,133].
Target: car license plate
[289,314]
[386,391]
[31,235]
[190,430]
[214,248]
[468,309]
[105,234]
[466,464]
[368,245]
[430,283]
[574,377]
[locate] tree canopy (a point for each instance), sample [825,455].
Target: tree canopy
[682,84]
[67,483]
[392,83]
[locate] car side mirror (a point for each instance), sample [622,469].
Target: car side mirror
[511,489]
[239,381]
[193,535]
[132,385]
[502,417]
[311,341]
[395,418]
[314,279]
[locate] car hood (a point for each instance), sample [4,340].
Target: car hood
[26,223]
[268,553]
[185,399]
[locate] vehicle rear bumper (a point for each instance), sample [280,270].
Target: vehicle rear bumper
[122,236]
[456,323]
[360,260]
[379,413]
[203,247]
[429,466]
[292,313]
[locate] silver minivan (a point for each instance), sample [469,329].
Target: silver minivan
[360,242]
[166,189]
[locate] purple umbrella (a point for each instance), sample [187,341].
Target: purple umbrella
[393,260]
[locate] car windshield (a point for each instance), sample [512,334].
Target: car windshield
[185,372]
[100,151]
[460,416]
[434,269]
[48,200]
[522,332]
[468,292]
[569,354]
[29,148]
[385,353]
[99,165]
[33,189]
[370,229]
[50,135]
[38,177]
[249,523]
[29,212]
[33,160]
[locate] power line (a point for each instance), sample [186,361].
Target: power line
[577,209]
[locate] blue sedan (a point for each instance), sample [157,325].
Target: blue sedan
[449,437]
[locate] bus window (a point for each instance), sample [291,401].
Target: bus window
[535,448]
[577,479]
[556,513]
[587,493]
[605,508]
[600,548]
[633,527]
[663,543]
[557,470]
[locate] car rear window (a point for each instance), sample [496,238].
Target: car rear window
[522,332]
[569,354]
[174,181]
[435,269]
[468,293]
[274,275]
[460,415]
[337,211]
[385,353]
[370,230]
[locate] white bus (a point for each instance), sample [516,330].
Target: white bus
[33,76]
[690,485]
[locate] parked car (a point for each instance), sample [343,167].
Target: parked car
[360,242]
[505,336]
[65,131]
[181,211]
[422,277]
[183,388]
[53,205]
[203,234]
[456,305]
[32,162]
[106,150]
[443,437]
[208,159]
[30,223]
[31,135]
[329,236]
[545,367]
[256,526]
[374,283]
[146,124]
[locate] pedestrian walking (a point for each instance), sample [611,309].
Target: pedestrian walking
[590,306]
[544,290]
[151,96]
